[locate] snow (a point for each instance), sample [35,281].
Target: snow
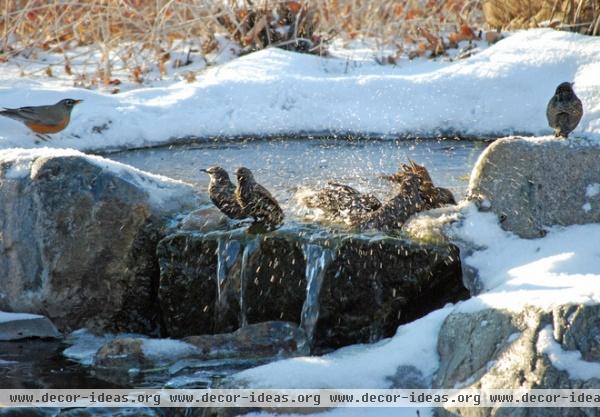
[161,191]
[561,268]
[569,361]
[501,90]
[6,317]
[161,349]
[592,190]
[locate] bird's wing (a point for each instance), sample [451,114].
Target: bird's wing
[39,114]
[551,112]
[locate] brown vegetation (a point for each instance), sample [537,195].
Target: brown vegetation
[136,33]
[577,15]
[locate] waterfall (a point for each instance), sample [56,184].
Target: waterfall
[227,253]
[317,260]
[251,247]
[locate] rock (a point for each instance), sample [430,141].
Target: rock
[535,183]
[271,268]
[497,349]
[204,220]
[374,285]
[122,354]
[15,326]
[79,236]
[266,339]
[408,377]
[368,286]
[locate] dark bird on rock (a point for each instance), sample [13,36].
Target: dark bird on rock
[341,202]
[222,193]
[564,110]
[255,200]
[44,120]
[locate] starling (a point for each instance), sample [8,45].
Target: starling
[433,196]
[564,110]
[255,200]
[393,214]
[222,193]
[341,202]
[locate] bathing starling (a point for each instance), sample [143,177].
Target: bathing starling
[433,196]
[341,202]
[393,213]
[255,200]
[222,193]
[564,110]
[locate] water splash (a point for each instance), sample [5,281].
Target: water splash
[317,260]
[251,247]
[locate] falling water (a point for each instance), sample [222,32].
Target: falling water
[317,260]
[227,253]
[251,247]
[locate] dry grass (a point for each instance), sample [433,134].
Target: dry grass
[577,15]
[138,33]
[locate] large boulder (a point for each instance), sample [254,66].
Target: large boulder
[79,236]
[534,183]
[499,349]
[341,288]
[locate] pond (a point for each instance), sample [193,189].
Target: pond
[284,165]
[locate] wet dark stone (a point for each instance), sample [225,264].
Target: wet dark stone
[188,286]
[193,304]
[369,288]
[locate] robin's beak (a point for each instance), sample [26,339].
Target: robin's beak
[204,170]
[78,101]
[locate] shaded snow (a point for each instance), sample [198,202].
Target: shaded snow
[161,349]
[84,346]
[501,90]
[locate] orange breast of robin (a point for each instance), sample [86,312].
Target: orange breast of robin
[44,128]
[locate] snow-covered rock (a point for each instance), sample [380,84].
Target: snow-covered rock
[531,348]
[14,326]
[532,184]
[78,237]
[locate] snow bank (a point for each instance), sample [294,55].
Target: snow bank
[162,191]
[561,268]
[502,90]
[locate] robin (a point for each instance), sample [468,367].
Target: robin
[44,120]
[222,192]
[564,110]
[256,201]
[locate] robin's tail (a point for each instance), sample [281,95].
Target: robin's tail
[11,113]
